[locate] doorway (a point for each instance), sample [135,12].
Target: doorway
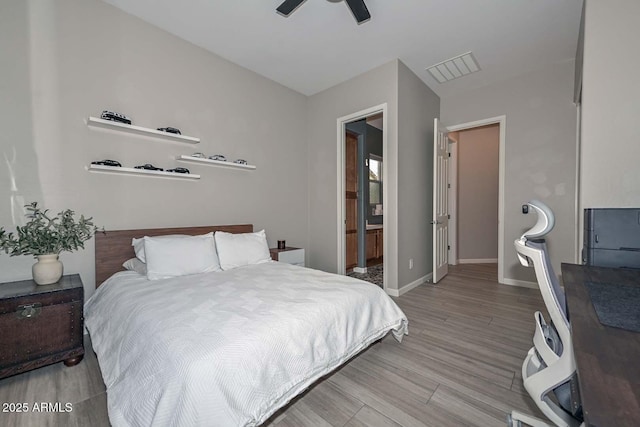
[477,254]
[476,185]
[362,249]
[363,199]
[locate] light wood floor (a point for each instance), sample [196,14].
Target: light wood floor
[460,366]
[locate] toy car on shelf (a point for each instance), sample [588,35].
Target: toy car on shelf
[179,170]
[170,130]
[115,117]
[107,162]
[218,157]
[149,167]
[240,162]
[199,155]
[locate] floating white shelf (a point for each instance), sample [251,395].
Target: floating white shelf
[101,123]
[143,172]
[209,162]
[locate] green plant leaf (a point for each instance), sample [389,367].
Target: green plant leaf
[43,234]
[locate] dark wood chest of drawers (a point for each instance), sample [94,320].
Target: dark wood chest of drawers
[40,325]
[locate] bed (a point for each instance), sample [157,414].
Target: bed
[224,348]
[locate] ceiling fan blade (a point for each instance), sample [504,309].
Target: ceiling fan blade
[289,6]
[359,10]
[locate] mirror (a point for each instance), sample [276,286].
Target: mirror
[375,184]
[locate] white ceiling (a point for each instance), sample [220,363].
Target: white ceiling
[320,44]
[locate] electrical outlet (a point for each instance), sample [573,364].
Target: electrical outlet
[410,263]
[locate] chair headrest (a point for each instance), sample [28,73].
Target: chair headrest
[545,222]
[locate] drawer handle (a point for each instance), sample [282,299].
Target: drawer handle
[29,311]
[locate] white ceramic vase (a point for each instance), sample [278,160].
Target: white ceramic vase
[47,270]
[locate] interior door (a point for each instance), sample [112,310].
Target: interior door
[440,219]
[351,200]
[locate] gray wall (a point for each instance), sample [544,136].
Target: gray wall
[19,174]
[540,152]
[374,140]
[372,88]
[64,60]
[417,107]
[477,207]
[610,129]
[412,107]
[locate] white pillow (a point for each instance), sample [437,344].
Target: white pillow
[134,264]
[138,244]
[180,255]
[236,250]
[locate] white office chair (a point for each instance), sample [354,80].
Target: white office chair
[549,365]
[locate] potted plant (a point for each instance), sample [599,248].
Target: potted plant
[45,237]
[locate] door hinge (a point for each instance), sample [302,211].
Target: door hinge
[448,185]
[448,247]
[448,216]
[449,154]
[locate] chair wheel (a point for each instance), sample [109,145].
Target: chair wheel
[510,422]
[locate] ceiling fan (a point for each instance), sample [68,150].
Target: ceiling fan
[359,9]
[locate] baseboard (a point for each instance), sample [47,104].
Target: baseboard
[408,287]
[478,261]
[360,270]
[521,283]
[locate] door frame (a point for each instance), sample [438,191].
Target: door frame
[453,202]
[341,185]
[502,122]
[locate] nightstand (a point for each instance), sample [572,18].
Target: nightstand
[40,325]
[289,255]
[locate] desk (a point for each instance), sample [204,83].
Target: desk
[607,359]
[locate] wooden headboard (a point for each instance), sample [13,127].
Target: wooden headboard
[114,247]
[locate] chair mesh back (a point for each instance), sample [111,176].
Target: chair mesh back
[550,279]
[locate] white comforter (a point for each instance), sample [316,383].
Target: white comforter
[228,348]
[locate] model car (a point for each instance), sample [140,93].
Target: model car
[107,162]
[170,130]
[115,117]
[149,167]
[199,155]
[240,162]
[179,170]
[218,157]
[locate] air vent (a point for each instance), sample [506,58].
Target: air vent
[454,68]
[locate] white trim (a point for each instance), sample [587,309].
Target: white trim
[360,270]
[478,261]
[453,202]
[520,283]
[410,286]
[502,121]
[341,214]
[579,219]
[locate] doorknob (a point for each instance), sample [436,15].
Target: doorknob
[436,222]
